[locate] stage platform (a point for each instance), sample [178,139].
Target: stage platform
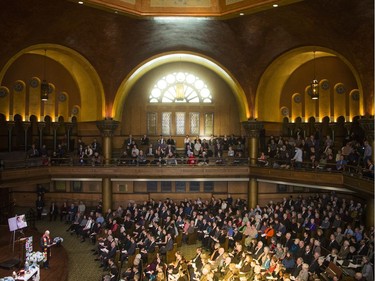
[58,270]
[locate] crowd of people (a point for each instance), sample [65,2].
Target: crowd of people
[294,239]
[195,150]
[319,153]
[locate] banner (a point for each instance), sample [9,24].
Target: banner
[29,246]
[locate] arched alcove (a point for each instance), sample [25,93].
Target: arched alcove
[65,61]
[295,69]
[179,57]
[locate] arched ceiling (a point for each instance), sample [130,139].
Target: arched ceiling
[221,9]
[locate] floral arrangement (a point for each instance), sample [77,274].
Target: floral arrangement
[35,257]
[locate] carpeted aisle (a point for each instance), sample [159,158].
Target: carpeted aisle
[81,265]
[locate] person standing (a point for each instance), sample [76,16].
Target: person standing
[39,207]
[45,244]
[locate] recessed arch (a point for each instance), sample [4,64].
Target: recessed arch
[87,79]
[267,100]
[169,57]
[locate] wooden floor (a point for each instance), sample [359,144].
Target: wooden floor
[58,263]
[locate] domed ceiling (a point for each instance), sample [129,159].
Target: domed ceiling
[220,9]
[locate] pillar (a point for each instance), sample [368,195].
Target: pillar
[252,129]
[69,127]
[41,126]
[107,128]
[252,194]
[55,126]
[26,125]
[106,194]
[10,125]
[333,127]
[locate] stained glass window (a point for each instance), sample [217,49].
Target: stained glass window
[180,123]
[166,121]
[194,123]
[180,87]
[208,124]
[151,123]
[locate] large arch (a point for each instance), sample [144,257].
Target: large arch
[267,100]
[165,58]
[83,73]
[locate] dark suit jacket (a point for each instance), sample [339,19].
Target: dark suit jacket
[169,245]
[131,250]
[150,247]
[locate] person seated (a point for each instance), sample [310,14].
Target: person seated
[124,159]
[96,159]
[150,150]
[191,158]
[262,159]
[341,163]
[141,158]
[145,140]
[170,158]
[368,172]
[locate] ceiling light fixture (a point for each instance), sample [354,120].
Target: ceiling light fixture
[314,89]
[44,86]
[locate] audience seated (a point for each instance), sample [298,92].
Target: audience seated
[286,240]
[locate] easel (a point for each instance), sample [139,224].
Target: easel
[13,237]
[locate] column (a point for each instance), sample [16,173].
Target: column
[107,194]
[348,126]
[55,126]
[26,125]
[10,125]
[333,127]
[252,129]
[291,128]
[69,126]
[41,126]
[107,127]
[252,194]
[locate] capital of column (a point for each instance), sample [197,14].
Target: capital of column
[107,127]
[55,125]
[41,125]
[69,125]
[10,125]
[333,126]
[252,128]
[26,125]
[318,126]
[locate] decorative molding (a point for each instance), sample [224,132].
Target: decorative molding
[75,110]
[252,128]
[34,82]
[62,97]
[18,86]
[180,3]
[3,92]
[107,127]
[297,98]
[340,89]
[325,85]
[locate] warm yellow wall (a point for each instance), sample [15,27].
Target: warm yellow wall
[224,106]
